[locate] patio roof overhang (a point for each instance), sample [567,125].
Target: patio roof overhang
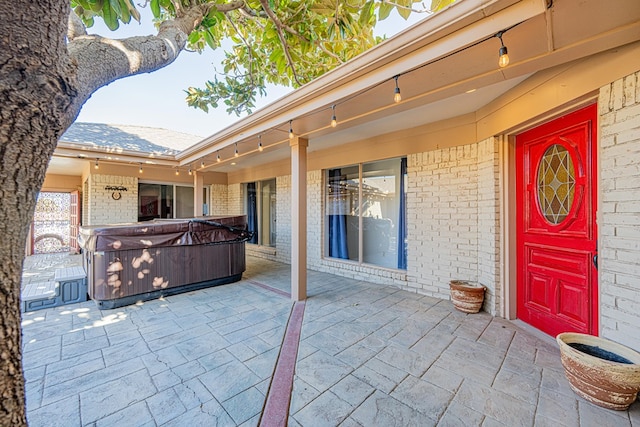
[439,60]
[115,155]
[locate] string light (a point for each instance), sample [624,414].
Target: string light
[140,169]
[177,172]
[96,165]
[190,171]
[397,97]
[503,61]
[334,121]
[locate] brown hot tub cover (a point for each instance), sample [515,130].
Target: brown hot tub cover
[131,262]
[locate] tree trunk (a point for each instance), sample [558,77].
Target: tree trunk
[36,93]
[44,81]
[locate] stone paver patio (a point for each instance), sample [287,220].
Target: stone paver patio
[368,356]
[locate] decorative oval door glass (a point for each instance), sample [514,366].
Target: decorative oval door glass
[556,184]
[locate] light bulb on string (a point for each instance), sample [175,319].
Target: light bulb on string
[396,96]
[202,164]
[190,171]
[218,159]
[96,166]
[235,154]
[334,121]
[290,129]
[140,169]
[177,172]
[260,147]
[503,60]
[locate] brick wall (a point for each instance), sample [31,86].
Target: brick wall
[235,200]
[103,209]
[283,215]
[315,212]
[442,208]
[453,220]
[452,212]
[619,220]
[489,223]
[219,199]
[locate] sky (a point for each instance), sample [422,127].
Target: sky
[157,99]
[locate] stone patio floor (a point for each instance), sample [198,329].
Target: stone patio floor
[368,355]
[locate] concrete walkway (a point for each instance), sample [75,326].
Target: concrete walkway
[367,356]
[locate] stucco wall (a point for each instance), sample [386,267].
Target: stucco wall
[619,219]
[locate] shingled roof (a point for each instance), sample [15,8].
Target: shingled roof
[128,138]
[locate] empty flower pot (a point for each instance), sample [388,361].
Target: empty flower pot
[467,296]
[599,370]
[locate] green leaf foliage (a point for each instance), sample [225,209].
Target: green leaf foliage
[307,39]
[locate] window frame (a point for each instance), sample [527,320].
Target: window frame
[361,232]
[259,210]
[174,185]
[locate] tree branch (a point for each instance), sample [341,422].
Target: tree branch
[283,41]
[75,26]
[247,11]
[101,60]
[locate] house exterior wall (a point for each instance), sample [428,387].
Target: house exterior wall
[219,199]
[315,212]
[619,217]
[61,183]
[453,220]
[283,224]
[452,216]
[442,203]
[454,211]
[235,201]
[102,208]
[488,220]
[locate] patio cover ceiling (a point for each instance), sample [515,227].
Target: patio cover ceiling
[438,61]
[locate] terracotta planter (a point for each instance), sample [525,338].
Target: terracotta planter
[601,371]
[467,296]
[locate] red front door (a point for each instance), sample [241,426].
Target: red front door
[556,228]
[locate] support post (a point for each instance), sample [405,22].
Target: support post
[298,218]
[198,183]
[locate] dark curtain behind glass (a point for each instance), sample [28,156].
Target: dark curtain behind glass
[337,220]
[252,211]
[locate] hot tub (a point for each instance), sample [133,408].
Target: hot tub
[127,263]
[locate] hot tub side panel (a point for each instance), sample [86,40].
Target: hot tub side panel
[124,273]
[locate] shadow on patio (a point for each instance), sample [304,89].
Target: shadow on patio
[368,356]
